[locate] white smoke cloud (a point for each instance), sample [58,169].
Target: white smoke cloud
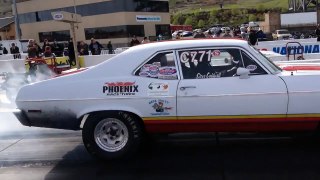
[16,77]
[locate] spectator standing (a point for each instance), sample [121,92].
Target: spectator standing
[5,51]
[72,56]
[1,49]
[15,51]
[45,44]
[199,34]
[243,32]
[159,37]
[226,33]
[57,49]
[110,48]
[34,49]
[134,41]
[38,47]
[95,47]
[252,38]
[209,34]
[47,52]
[83,49]
[317,31]
[178,36]
[145,40]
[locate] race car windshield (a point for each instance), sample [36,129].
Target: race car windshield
[266,61]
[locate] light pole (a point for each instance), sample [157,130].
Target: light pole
[16,19]
[72,19]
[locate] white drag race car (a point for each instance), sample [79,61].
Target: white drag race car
[217,85]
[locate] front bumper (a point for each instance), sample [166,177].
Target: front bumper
[22,117]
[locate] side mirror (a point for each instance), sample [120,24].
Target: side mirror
[243,73]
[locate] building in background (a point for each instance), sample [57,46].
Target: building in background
[105,20]
[5,8]
[7,28]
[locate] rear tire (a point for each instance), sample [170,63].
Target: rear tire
[112,135]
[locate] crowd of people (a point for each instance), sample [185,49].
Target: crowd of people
[13,50]
[250,34]
[65,49]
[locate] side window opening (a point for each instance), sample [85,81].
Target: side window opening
[253,66]
[161,66]
[210,63]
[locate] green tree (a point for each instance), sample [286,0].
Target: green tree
[244,12]
[260,8]
[201,23]
[213,13]
[175,21]
[188,21]
[172,3]
[252,17]
[284,10]
[197,13]
[178,19]
[235,12]
[211,21]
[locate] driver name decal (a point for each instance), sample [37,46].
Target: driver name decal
[120,88]
[209,75]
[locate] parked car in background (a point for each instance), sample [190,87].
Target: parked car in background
[281,34]
[208,85]
[174,34]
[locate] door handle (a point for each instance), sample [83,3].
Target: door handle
[186,87]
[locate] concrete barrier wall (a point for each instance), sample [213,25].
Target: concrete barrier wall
[13,66]
[10,56]
[96,59]
[8,64]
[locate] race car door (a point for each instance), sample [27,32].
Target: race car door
[212,92]
[159,78]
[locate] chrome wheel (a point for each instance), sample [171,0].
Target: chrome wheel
[111,134]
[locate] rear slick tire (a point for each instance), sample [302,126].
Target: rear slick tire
[112,136]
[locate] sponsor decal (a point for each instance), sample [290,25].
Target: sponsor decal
[168,77]
[144,74]
[58,16]
[208,75]
[196,57]
[158,89]
[161,107]
[120,88]
[153,71]
[145,68]
[167,70]
[251,67]
[216,53]
[306,49]
[141,18]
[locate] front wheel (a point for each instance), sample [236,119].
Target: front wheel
[112,135]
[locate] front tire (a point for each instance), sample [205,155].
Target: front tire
[112,135]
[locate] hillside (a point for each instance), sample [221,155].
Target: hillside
[186,5]
[5,8]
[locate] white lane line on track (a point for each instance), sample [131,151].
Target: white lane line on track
[11,145]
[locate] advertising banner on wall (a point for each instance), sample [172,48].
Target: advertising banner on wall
[308,46]
[143,18]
